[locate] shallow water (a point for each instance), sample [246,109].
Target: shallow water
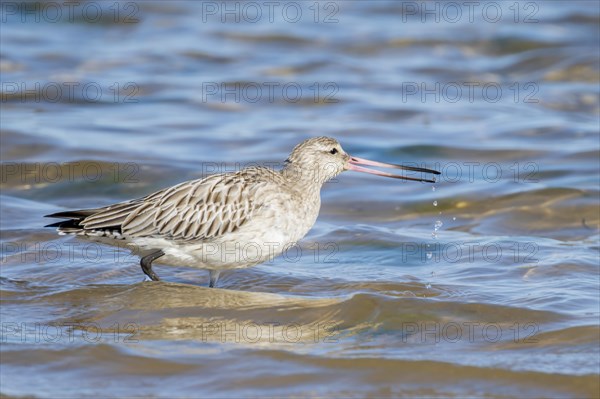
[502,300]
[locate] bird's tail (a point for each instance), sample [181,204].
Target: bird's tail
[74,223]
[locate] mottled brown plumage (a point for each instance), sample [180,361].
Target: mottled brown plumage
[224,221]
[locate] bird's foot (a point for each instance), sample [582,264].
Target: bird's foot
[146,264]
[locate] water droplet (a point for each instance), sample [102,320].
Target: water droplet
[433,188]
[454,218]
[433,235]
[438,224]
[434,203]
[428,286]
[429,255]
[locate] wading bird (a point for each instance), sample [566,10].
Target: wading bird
[225,221]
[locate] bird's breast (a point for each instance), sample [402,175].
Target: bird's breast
[289,219]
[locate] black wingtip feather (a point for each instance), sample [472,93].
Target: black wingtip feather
[72,214]
[66,224]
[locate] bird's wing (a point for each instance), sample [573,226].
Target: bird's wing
[198,209]
[109,217]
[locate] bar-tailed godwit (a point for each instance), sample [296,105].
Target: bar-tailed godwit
[225,221]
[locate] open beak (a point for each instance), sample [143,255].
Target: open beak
[353,163]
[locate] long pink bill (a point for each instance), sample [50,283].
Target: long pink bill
[353,163]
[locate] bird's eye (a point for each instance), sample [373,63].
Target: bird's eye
[333,151]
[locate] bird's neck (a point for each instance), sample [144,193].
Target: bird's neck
[306,180]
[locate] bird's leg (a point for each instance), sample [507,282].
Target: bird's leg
[147,264]
[214,277]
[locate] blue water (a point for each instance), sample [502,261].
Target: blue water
[502,300]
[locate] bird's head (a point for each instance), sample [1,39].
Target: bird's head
[322,159]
